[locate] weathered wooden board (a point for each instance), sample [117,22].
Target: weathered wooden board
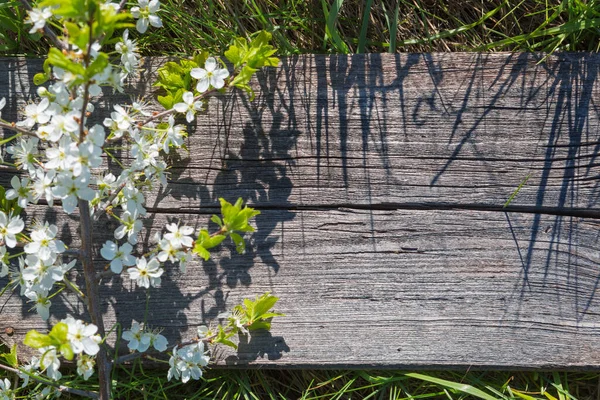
[381,180]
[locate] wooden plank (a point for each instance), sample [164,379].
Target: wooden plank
[381,180]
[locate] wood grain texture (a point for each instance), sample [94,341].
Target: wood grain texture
[381,180]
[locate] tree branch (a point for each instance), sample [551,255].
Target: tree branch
[91,395]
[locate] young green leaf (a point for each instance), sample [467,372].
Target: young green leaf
[67,351]
[37,340]
[59,333]
[216,220]
[11,357]
[240,245]
[201,251]
[209,242]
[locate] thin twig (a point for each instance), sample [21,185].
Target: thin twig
[102,207]
[172,110]
[91,395]
[15,128]
[121,5]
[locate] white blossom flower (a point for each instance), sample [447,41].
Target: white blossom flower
[3,262]
[2,104]
[70,188]
[168,251]
[35,114]
[44,243]
[183,259]
[158,341]
[9,228]
[189,106]
[21,191]
[118,256]
[121,118]
[129,52]
[130,226]
[50,362]
[57,156]
[82,337]
[137,338]
[41,274]
[187,362]
[5,392]
[42,186]
[235,319]
[135,200]
[17,276]
[24,153]
[85,366]
[38,17]
[146,273]
[106,184]
[33,366]
[146,14]
[173,135]
[179,235]
[42,304]
[209,75]
[203,331]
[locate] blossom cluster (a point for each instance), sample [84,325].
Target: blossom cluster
[81,339]
[140,339]
[61,156]
[187,362]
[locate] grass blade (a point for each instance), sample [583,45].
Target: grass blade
[516,192]
[461,387]
[362,38]
[331,32]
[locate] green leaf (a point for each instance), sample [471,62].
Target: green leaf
[209,242]
[97,66]
[11,357]
[271,315]
[66,8]
[240,245]
[66,351]
[37,340]
[223,338]
[40,78]
[263,304]
[216,220]
[166,101]
[260,325]
[57,58]
[201,251]
[234,55]
[59,332]
[228,210]
[227,342]
[78,36]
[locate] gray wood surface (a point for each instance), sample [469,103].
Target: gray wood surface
[381,181]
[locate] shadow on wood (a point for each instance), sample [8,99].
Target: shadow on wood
[381,180]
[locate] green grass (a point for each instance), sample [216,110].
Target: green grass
[140,383]
[338,26]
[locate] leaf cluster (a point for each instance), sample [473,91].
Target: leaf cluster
[175,79]
[248,56]
[251,315]
[56,338]
[84,21]
[234,219]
